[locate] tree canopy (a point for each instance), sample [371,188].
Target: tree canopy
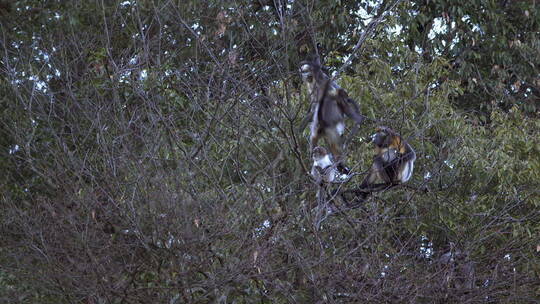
[151,152]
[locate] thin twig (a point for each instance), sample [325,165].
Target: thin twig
[369,29]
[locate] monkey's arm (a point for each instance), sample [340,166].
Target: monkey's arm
[396,159]
[352,110]
[409,155]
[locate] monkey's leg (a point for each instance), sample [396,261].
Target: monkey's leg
[334,142]
[313,140]
[340,166]
[314,136]
[385,170]
[377,171]
[370,178]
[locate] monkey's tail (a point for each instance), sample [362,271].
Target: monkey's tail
[355,198]
[350,199]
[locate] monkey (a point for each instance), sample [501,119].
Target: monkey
[393,162]
[329,106]
[323,169]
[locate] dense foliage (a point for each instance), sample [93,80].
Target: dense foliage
[151,152]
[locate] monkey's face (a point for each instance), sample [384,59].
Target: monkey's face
[321,158]
[381,137]
[306,71]
[309,69]
[318,153]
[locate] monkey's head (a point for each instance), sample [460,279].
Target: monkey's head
[384,137]
[319,153]
[307,72]
[309,68]
[321,158]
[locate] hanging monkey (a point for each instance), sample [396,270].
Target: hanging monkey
[329,106]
